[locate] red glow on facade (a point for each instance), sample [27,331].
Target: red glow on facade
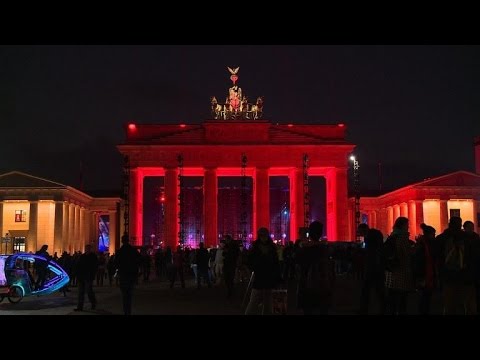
[132,127]
[341,125]
[275,152]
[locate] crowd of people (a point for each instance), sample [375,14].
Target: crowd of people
[392,267]
[448,263]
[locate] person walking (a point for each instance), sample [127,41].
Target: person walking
[127,261]
[86,271]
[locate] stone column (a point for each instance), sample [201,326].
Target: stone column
[171,208]
[396,212]
[112,228]
[443,216]
[404,210]
[419,216]
[210,207]
[262,199]
[342,204]
[76,229]
[136,207]
[337,204]
[58,228]
[71,222]
[476,212]
[412,219]
[65,235]
[83,235]
[31,244]
[389,219]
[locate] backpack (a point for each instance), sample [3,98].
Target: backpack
[454,255]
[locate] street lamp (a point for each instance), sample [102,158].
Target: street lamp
[356,191]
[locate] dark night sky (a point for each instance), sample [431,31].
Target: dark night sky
[414,108]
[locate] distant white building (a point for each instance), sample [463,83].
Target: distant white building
[36,211]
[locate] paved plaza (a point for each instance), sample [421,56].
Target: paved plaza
[156,298]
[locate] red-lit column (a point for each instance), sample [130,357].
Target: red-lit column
[396,212]
[443,216]
[385,230]
[412,219]
[404,210]
[171,208]
[136,207]
[419,216]
[342,204]
[331,180]
[296,202]
[262,200]
[476,210]
[337,204]
[389,219]
[210,208]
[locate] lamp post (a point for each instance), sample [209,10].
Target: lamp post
[356,191]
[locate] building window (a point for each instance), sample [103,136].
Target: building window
[19,244]
[20,216]
[454,212]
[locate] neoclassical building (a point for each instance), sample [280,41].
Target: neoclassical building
[36,211]
[431,201]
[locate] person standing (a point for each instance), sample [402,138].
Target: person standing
[317,273]
[202,265]
[266,268]
[86,271]
[41,267]
[127,261]
[230,258]
[474,240]
[425,269]
[398,257]
[456,257]
[374,276]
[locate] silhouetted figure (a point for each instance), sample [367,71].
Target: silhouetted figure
[178,267]
[425,268]
[145,264]
[456,267]
[474,239]
[317,273]
[398,255]
[264,263]
[102,265]
[65,261]
[202,265]
[230,258]
[374,274]
[41,267]
[86,271]
[127,261]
